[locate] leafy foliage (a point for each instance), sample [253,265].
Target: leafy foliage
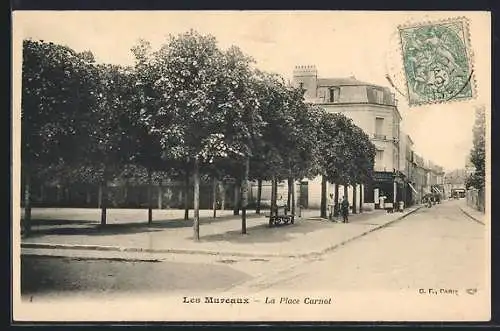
[187,100]
[478,152]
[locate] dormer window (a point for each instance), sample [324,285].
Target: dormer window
[379,96]
[333,94]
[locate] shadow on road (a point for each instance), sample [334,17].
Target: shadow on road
[85,227]
[262,233]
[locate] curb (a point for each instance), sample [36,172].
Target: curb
[90,258]
[146,250]
[471,217]
[202,252]
[329,249]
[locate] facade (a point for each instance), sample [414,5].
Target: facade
[436,178]
[399,173]
[374,109]
[408,168]
[420,175]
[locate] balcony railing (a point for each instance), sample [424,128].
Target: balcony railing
[380,136]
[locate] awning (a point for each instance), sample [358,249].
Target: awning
[411,186]
[436,190]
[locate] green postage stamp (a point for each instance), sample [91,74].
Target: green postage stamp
[437,61]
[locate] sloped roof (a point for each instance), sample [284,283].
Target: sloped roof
[346,81]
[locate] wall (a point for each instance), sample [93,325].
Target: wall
[315,193]
[475,199]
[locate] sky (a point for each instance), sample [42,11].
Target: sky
[338,43]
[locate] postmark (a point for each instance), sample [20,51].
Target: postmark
[437,61]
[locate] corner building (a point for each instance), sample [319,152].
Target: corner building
[374,109]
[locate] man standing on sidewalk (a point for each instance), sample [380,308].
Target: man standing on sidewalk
[331,206]
[345,210]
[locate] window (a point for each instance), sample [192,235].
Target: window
[395,127]
[395,159]
[379,128]
[334,94]
[379,96]
[379,157]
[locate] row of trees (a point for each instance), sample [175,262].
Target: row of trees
[478,152]
[185,111]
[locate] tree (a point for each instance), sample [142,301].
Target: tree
[300,155]
[345,154]
[108,147]
[200,115]
[146,99]
[332,153]
[243,122]
[57,90]
[269,146]
[478,152]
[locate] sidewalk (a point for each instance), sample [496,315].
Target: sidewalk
[474,214]
[309,236]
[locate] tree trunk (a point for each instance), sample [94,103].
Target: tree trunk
[292,180]
[289,195]
[259,195]
[244,196]
[125,192]
[99,196]
[354,186]
[150,200]
[323,197]
[58,194]
[42,193]
[237,187]
[160,195]
[104,200]
[222,192]
[27,202]
[214,194]
[186,197]
[87,197]
[360,198]
[274,195]
[196,207]
[346,192]
[336,201]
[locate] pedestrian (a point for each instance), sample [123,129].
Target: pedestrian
[330,207]
[345,210]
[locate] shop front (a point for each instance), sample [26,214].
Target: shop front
[386,188]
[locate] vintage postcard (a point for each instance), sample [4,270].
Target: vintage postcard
[251,166]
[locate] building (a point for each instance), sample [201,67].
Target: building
[408,168]
[454,180]
[419,175]
[436,178]
[374,109]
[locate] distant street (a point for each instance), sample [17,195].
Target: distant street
[436,247]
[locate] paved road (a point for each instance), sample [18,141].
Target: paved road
[438,247]
[62,276]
